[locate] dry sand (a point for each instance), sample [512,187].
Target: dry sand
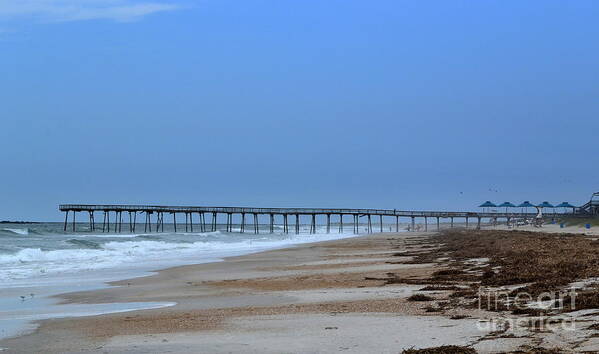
[551,228]
[305,299]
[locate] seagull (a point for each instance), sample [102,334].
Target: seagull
[22,298]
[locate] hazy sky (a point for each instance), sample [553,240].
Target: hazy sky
[336,103]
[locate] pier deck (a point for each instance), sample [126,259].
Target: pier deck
[285,213]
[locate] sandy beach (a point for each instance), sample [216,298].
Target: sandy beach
[308,298]
[322,297]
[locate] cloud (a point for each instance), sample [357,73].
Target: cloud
[80,10]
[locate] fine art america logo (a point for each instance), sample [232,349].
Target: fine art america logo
[541,310]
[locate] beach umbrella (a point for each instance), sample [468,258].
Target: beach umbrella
[487,204]
[565,205]
[506,205]
[526,205]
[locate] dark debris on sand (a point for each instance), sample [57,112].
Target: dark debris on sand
[420,297]
[546,262]
[445,349]
[455,349]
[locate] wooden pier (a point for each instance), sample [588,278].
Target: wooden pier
[283,214]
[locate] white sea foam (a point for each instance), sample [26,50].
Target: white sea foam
[107,235]
[34,262]
[18,231]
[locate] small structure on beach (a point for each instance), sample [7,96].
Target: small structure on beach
[527,204]
[488,204]
[506,205]
[545,205]
[566,205]
[591,207]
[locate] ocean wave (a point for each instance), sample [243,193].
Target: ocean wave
[30,262]
[23,232]
[148,235]
[84,243]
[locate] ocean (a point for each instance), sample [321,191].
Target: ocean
[39,260]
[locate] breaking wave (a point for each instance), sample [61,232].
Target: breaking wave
[90,255]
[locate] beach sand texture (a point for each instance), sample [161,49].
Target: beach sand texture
[312,298]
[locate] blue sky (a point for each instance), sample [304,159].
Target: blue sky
[385,104]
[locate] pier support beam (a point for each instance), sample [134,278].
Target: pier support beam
[381,221]
[148,223]
[158,221]
[242,226]
[369,224]
[438,224]
[175,222]
[478,224]
[104,223]
[66,220]
[130,223]
[425,223]
[213,221]
[132,214]
[285,224]
[313,224]
[340,223]
[297,223]
[413,224]
[256,224]
[396,223]
[328,223]
[92,223]
[272,223]
[74,212]
[452,222]
[202,222]
[356,224]
[466,222]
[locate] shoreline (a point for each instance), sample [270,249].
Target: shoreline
[352,294]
